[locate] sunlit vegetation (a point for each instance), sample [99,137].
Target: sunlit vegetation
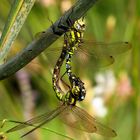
[112,91]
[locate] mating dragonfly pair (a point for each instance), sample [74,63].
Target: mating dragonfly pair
[103,54]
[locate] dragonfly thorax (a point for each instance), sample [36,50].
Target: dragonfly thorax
[78,89]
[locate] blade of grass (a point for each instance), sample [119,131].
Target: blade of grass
[17,16]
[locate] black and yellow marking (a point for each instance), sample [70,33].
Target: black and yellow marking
[56,73]
[83,120]
[75,36]
[72,39]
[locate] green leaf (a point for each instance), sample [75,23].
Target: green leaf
[16,18]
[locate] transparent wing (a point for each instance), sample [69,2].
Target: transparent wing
[94,54]
[42,119]
[103,49]
[97,53]
[100,53]
[80,119]
[92,122]
[71,118]
[3,137]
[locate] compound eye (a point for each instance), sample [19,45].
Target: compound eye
[78,27]
[81,98]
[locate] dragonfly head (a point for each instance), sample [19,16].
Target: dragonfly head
[79,25]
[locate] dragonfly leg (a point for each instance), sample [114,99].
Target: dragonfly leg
[63,27]
[68,21]
[61,78]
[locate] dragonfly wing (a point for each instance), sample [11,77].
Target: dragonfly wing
[92,61]
[100,128]
[55,113]
[103,49]
[102,54]
[70,118]
[46,117]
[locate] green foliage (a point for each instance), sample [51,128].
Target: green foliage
[30,92]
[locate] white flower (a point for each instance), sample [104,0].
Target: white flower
[99,108]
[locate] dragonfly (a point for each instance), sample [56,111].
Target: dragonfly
[103,54]
[82,120]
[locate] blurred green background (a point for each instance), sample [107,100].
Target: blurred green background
[112,92]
